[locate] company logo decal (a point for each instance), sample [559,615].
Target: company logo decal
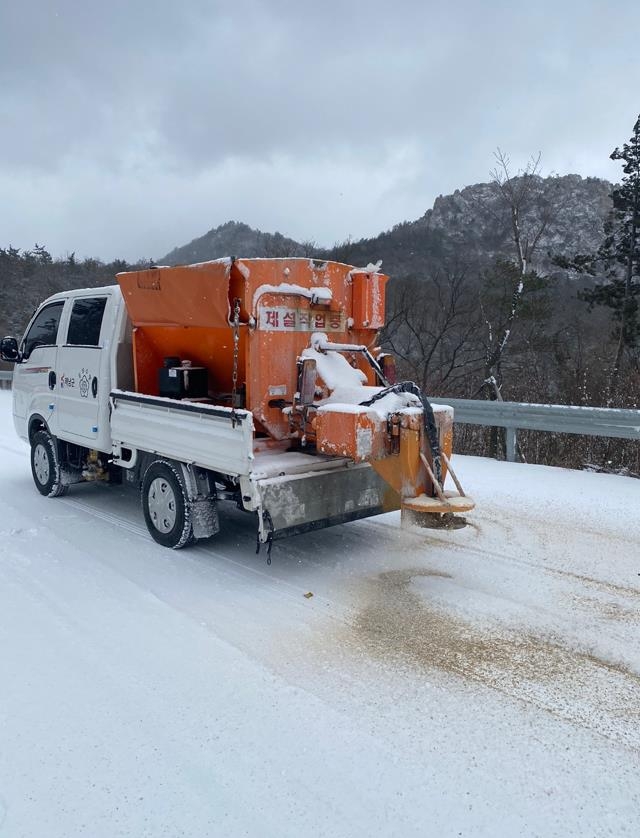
[84,382]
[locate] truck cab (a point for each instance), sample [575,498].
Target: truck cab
[66,367]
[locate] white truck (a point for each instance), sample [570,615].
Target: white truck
[259,430]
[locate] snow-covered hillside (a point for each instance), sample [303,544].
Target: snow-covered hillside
[483,682]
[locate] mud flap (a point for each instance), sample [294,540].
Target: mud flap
[204,516]
[204,508]
[300,503]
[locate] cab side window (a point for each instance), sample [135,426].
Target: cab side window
[86,321]
[44,329]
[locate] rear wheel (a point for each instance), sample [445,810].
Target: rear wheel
[45,465]
[166,507]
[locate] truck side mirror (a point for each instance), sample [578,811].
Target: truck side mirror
[9,350]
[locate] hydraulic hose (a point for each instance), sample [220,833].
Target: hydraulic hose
[429,419]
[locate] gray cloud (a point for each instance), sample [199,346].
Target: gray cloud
[129,127]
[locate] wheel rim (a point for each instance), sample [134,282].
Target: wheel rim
[162,505]
[41,464]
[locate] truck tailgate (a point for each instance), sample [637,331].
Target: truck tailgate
[302,502]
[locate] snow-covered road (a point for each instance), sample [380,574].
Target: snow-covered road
[482,682]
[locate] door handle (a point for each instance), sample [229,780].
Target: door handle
[52,380]
[94,387]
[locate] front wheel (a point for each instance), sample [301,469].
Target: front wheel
[45,465]
[166,507]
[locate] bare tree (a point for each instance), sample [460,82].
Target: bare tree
[432,329]
[529,206]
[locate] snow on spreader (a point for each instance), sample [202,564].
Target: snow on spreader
[251,380]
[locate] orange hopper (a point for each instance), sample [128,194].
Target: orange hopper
[293,341]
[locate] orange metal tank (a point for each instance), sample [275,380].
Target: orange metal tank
[188,312]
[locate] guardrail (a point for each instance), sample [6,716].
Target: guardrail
[514,416]
[568,419]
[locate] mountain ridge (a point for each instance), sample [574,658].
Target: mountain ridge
[470,226]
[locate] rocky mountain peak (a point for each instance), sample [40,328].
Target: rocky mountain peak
[234,238]
[477,219]
[471,227]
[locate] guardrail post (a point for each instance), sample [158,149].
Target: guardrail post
[511,445]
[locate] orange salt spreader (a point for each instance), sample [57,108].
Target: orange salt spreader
[292,343]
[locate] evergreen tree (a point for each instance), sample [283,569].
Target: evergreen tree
[617,261]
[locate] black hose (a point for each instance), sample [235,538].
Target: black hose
[429,419]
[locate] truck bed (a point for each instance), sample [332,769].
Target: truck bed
[209,436]
[291,490]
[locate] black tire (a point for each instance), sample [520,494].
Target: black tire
[45,465]
[166,507]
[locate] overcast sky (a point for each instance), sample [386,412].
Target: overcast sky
[129,127]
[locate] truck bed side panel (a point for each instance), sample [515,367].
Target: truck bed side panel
[191,433]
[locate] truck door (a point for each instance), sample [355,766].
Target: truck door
[81,367]
[34,382]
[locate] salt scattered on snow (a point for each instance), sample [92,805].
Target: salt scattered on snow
[463,682]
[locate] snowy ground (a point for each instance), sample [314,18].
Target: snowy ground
[483,682]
